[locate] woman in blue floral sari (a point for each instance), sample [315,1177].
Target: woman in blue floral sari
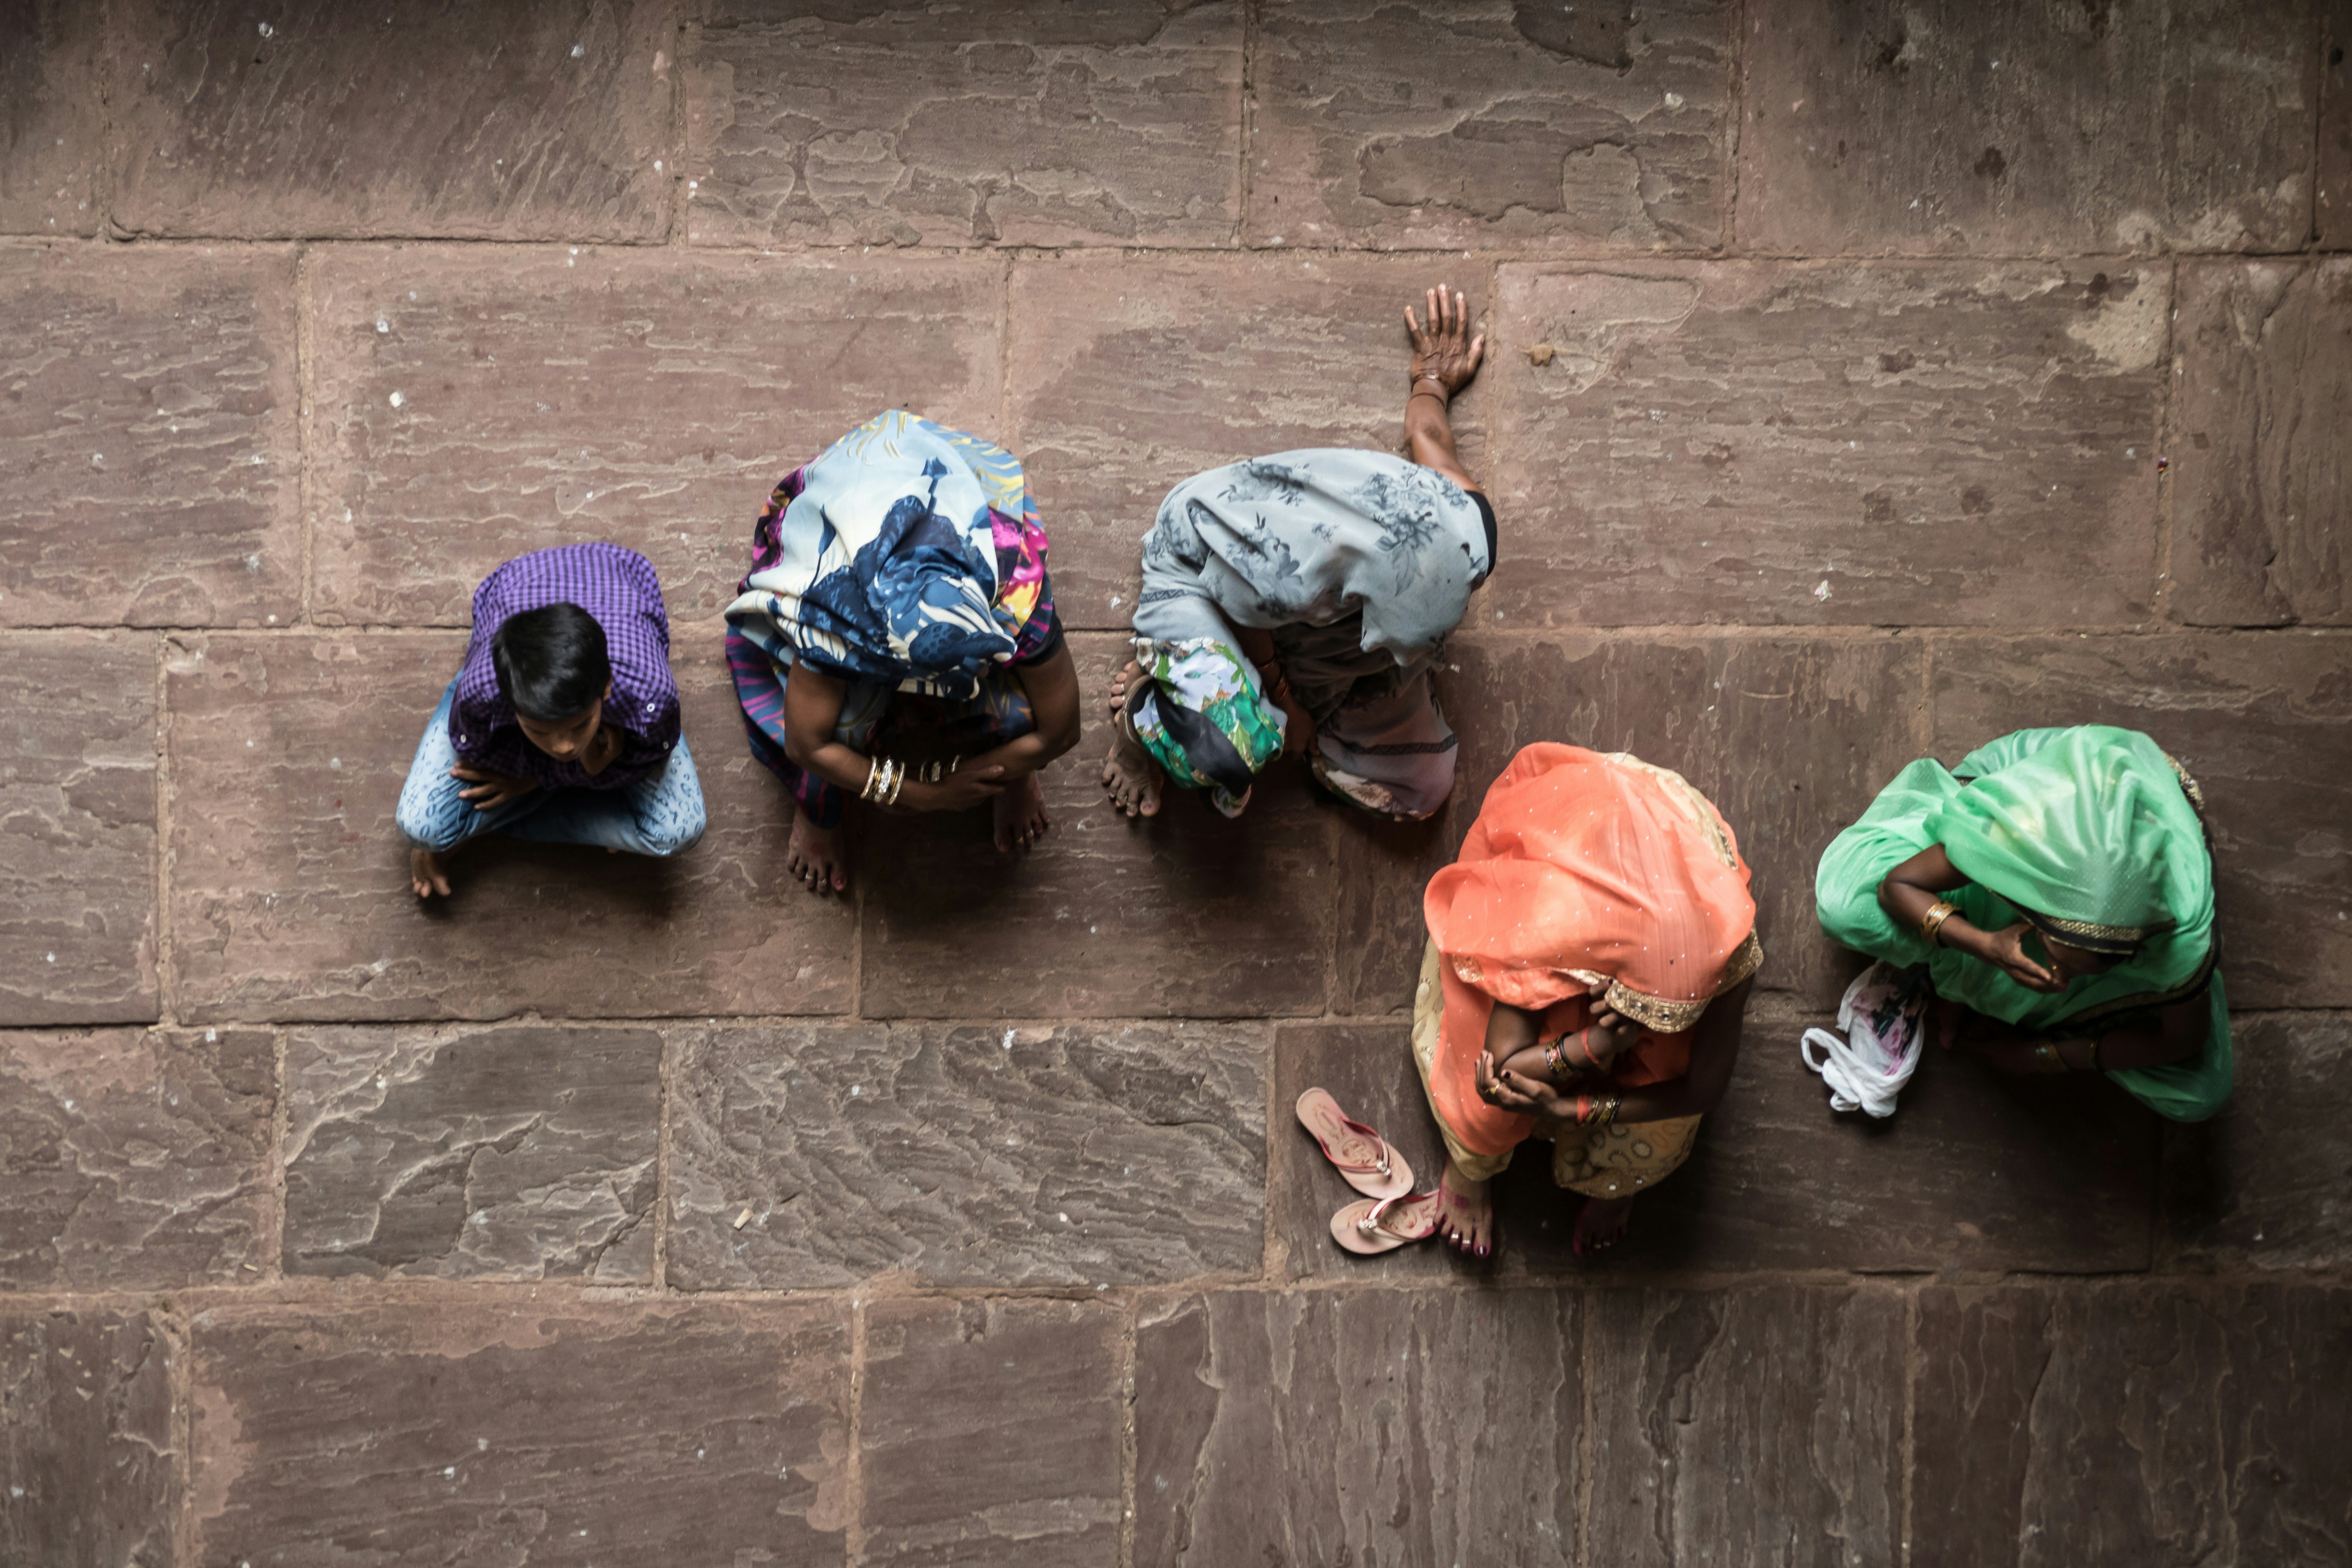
[896,639]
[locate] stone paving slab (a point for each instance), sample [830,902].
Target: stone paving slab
[1748,1426]
[1829,443]
[2333,210]
[1186,913]
[1414,1427]
[554,1433]
[1124,384]
[474,403]
[88,1445]
[1789,736]
[1401,126]
[2261,722]
[1974,1171]
[989,1433]
[979,1155]
[299,119]
[50,138]
[2140,1424]
[2016,128]
[1115,122]
[2261,430]
[2263,1186]
[135,1159]
[77,936]
[504,1154]
[147,432]
[290,895]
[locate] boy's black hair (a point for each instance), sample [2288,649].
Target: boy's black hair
[551,662]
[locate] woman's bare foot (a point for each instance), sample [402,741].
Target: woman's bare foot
[1130,777]
[1600,1225]
[1466,1214]
[1020,818]
[428,872]
[815,855]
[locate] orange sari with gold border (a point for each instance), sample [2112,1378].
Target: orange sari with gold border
[1586,877]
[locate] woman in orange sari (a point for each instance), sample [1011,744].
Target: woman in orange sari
[1589,963]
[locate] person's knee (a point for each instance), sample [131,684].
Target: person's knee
[677,836]
[421,827]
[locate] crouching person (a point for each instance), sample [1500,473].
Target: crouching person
[562,726]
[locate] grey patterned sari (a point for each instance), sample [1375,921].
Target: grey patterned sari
[1359,564]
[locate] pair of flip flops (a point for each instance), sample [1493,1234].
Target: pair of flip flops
[1390,1214]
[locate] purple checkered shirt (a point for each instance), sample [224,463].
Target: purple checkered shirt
[618,587]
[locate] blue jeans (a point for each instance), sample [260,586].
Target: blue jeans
[659,815]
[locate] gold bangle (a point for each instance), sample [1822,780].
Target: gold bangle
[1932,920]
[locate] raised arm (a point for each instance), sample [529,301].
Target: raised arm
[1444,358]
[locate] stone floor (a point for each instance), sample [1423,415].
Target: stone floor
[1866,380]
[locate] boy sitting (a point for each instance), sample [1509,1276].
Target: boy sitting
[562,725]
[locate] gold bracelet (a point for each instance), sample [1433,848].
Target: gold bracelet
[1932,920]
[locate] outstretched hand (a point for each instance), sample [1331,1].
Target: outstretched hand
[1444,350]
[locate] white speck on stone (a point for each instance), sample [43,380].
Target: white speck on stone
[856,1089]
[1008,1039]
[2131,451]
[398,398]
[336,763]
[382,325]
[267,29]
[579,51]
[53,958]
[1063,1217]
[1673,100]
[481,1444]
[97,460]
[451,1471]
[698,1453]
[212,1037]
[1822,590]
[657,165]
[249,745]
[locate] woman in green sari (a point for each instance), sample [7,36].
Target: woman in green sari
[2059,887]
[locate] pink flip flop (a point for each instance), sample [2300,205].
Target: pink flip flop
[1367,1227]
[1384,1174]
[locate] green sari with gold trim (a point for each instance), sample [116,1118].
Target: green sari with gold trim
[2091,834]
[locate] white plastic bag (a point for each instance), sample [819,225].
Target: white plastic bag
[1884,1016]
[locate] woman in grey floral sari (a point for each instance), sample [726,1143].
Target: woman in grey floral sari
[1298,603]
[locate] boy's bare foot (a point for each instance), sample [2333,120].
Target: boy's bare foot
[815,855]
[1020,818]
[1466,1214]
[1600,1225]
[428,872]
[1130,777]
